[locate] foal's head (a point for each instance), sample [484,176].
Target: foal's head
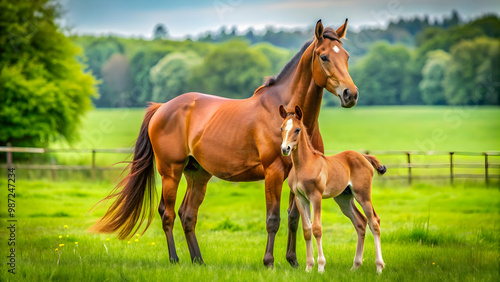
[290,129]
[329,64]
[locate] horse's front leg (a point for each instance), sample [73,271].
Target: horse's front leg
[293,224]
[274,178]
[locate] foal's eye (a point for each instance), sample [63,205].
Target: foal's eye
[281,129]
[297,130]
[324,58]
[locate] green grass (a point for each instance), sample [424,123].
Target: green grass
[428,233]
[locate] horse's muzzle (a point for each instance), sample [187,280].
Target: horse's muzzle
[285,150]
[348,98]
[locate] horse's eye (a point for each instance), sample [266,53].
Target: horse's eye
[281,129]
[324,58]
[297,130]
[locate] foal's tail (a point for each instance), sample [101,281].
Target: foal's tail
[381,169]
[137,195]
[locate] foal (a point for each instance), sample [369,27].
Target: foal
[315,176]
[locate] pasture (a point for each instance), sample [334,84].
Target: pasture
[430,231]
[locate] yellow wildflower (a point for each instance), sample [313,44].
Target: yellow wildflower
[107,239]
[137,235]
[128,242]
[67,236]
[76,243]
[57,249]
[61,245]
[153,243]
[137,240]
[65,226]
[60,236]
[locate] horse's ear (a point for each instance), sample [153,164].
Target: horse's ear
[283,113]
[319,30]
[342,30]
[298,112]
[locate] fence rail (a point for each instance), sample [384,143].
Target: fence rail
[410,165]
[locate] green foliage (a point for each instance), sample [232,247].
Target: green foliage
[44,91]
[116,75]
[473,73]
[380,75]
[170,76]
[232,69]
[432,85]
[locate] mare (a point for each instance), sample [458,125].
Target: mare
[315,176]
[201,136]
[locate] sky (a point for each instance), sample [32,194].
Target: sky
[192,17]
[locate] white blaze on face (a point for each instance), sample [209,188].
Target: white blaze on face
[336,49]
[288,127]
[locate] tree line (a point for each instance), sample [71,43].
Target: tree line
[414,61]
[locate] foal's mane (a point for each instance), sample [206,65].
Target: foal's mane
[269,81]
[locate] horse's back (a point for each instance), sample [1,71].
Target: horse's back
[180,120]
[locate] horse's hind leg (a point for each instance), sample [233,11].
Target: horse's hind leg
[197,179]
[363,196]
[349,209]
[170,176]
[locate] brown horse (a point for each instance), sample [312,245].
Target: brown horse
[201,136]
[314,177]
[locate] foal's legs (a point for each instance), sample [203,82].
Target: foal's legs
[170,176]
[347,206]
[197,179]
[316,228]
[305,215]
[363,196]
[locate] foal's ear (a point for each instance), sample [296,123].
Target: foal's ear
[283,113]
[319,30]
[342,30]
[298,112]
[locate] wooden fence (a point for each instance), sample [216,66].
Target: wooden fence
[486,166]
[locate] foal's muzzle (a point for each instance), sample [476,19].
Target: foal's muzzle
[285,150]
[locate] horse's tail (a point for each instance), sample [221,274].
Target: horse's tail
[381,169]
[136,193]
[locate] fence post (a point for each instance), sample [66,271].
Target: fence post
[486,178]
[93,164]
[9,157]
[53,170]
[451,167]
[409,167]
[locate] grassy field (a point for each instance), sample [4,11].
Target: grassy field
[371,128]
[430,231]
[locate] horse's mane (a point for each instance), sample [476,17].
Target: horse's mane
[328,33]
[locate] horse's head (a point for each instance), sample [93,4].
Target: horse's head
[290,129]
[329,64]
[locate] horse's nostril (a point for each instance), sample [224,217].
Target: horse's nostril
[346,93]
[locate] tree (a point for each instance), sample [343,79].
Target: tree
[169,77]
[473,73]
[160,32]
[116,77]
[381,73]
[433,75]
[233,70]
[44,90]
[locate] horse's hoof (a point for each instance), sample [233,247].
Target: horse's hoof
[321,270]
[198,261]
[268,261]
[174,260]
[293,262]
